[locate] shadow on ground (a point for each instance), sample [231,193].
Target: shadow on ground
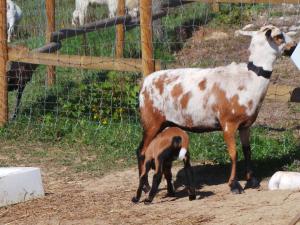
[219,174]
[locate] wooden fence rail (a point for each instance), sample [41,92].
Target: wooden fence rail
[75,61]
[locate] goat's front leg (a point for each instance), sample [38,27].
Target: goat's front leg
[190,177]
[252,182]
[168,175]
[229,137]
[148,135]
[155,183]
[142,181]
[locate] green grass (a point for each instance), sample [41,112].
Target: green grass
[86,146]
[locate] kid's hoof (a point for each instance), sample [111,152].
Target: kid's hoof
[252,183]
[135,200]
[147,201]
[236,188]
[192,197]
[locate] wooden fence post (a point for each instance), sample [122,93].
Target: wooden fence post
[120,34]
[3,61]
[50,10]
[216,7]
[146,37]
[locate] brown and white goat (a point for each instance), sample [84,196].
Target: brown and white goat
[170,144]
[226,98]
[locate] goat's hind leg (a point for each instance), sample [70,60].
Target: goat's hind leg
[168,175]
[252,182]
[189,177]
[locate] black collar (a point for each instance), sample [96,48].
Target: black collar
[259,70]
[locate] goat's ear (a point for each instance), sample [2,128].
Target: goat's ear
[244,33]
[268,33]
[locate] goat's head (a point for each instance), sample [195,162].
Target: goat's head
[267,43]
[278,40]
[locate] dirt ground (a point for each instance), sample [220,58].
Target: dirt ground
[107,200]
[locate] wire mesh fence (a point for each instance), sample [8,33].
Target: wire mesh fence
[87,104]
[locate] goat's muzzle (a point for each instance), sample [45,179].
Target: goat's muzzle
[289,49]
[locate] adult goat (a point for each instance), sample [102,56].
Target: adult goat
[226,98]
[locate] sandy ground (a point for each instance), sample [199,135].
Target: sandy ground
[107,200]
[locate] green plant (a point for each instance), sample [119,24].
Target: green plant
[102,97]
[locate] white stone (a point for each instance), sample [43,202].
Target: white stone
[285,180]
[19,184]
[296,56]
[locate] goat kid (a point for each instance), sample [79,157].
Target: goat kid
[226,98]
[283,180]
[81,7]
[13,15]
[170,144]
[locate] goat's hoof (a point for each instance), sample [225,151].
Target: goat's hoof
[146,188]
[147,201]
[252,183]
[170,194]
[135,200]
[192,197]
[236,188]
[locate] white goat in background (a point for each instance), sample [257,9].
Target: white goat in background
[80,11]
[13,15]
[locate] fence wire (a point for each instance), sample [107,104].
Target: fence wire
[92,101]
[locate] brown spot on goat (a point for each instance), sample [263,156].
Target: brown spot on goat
[241,88]
[151,114]
[189,121]
[202,85]
[225,107]
[159,83]
[185,100]
[171,79]
[176,91]
[250,104]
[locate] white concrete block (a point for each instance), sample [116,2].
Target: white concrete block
[19,184]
